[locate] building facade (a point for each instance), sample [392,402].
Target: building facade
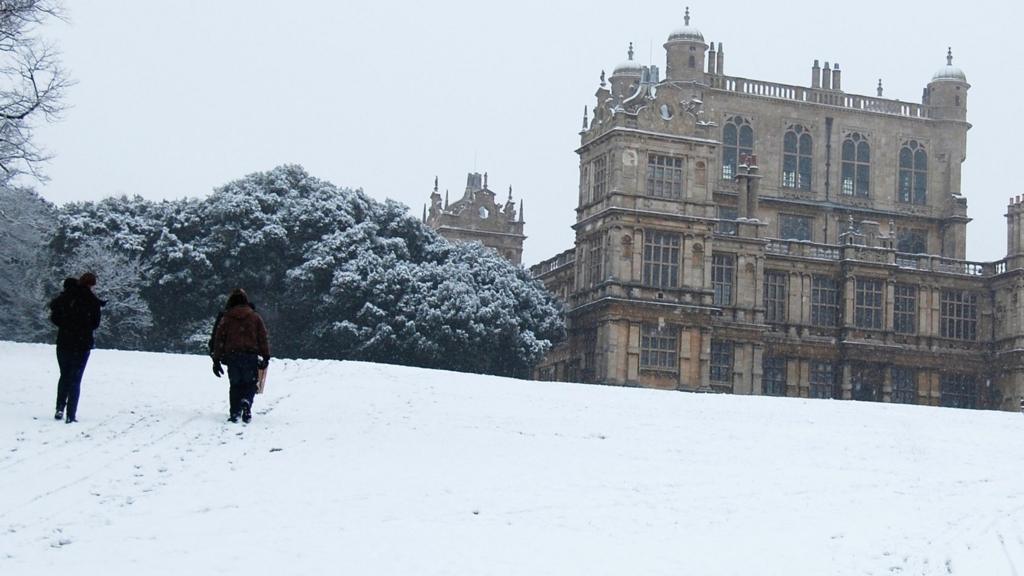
[744,236]
[477,217]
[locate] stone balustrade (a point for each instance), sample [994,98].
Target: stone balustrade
[818,96]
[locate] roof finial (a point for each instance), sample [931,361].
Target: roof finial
[686,18]
[584,117]
[879,87]
[602,79]
[485,180]
[435,183]
[949,56]
[630,51]
[509,192]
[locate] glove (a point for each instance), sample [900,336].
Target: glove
[217,369]
[264,362]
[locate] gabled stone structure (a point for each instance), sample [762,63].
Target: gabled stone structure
[477,217]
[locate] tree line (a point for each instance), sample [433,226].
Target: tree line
[334,273]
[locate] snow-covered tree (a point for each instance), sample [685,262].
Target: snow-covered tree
[334,273]
[26,221]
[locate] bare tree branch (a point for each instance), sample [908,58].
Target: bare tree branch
[32,85]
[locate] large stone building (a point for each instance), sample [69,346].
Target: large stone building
[746,236]
[477,217]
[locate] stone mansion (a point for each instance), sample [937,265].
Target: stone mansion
[744,236]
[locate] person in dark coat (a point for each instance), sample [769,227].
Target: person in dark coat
[76,313]
[240,341]
[213,333]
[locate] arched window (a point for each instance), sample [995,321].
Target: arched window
[796,158]
[913,180]
[856,170]
[737,142]
[693,61]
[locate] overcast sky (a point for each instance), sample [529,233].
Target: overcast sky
[176,98]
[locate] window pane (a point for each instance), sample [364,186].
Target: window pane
[958,390]
[789,143]
[863,180]
[824,302]
[722,275]
[959,315]
[721,361]
[726,220]
[658,348]
[906,158]
[804,177]
[775,296]
[729,135]
[747,138]
[868,304]
[773,376]
[848,149]
[795,227]
[661,259]
[904,385]
[905,309]
[664,176]
[805,145]
[824,383]
[863,152]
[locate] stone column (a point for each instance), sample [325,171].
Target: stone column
[845,383]
[890,305]
[756,369]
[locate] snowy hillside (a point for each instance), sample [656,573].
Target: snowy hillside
[351,468]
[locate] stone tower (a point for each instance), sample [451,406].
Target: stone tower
[752,237]
[685,54]
[477,217]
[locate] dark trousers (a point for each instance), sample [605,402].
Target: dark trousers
[72,365]
[242,373]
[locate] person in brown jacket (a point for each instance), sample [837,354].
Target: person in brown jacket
[240,342]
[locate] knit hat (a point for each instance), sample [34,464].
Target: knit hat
[237,296]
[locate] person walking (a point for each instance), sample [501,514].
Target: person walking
[240,341]
[76,312]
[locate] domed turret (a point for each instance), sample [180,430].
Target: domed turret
[685,51]
[949,72]
[947,92]
[626,76]
[686,32]
[628,67]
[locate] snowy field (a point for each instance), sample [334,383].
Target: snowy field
[353,468]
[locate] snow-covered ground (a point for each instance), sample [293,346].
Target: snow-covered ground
[354,468]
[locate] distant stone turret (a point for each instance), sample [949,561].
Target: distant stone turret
[686,52]
[946,94]
[477,217]
[626,76]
